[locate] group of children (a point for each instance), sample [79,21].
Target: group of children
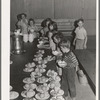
[49,28]
[27,27]
[57,43]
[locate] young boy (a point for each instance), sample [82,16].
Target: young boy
[68,70]
[80,40]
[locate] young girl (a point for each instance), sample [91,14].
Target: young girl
[80,40]
[44,25]
[23,23]
[68,70]
[19,20]
[32,28]
[57,38]
[52,30]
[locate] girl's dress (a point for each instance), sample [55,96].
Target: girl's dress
[24,26]
[51,42]
[32,30]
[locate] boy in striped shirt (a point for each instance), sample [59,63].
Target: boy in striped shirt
[68,70]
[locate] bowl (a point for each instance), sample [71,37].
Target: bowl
[55,52]
[62,63]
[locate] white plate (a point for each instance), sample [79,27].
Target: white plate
[28,80]
[57,93]
[35,75]
[29,99]
[57,98]
[27,94]
[30,65]
[14,95]
[29,86]
[40,70]
[45,98]
[39,89]
[28,69]
[39,80]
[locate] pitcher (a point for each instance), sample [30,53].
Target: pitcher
[18,44]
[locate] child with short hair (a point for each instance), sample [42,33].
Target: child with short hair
[80,40]
[32,30]
[68,70]
[57,38]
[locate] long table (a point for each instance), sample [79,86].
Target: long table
[16,69]
[87,61]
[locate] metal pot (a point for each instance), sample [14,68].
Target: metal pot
[18,44]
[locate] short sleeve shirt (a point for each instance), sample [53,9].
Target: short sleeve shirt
[24,26]
[80,33]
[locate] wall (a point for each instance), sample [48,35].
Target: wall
[64,9]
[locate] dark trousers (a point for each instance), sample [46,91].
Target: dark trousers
[68,82]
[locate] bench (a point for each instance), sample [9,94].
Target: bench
[64,25]
[87,62]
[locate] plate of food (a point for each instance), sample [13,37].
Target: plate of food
[38,55]
[29,65]
[57,92]
[54,84]
[42,79]
[29,86]
[42,88]
[51,73]
[40,52]
[57,98]
[28,94]
[14,95]
[29,98]
[35,74]
[28,80]
[28,69]
[42,96]
[40,70]
[41,66]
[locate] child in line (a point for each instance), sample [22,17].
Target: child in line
[68,70]
[44,25]
[52,30]
[57,38]
[80,40]
[32,29]
[23,23]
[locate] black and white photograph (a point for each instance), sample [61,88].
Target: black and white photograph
[51,51]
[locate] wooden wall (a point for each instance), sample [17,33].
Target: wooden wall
[64,9]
